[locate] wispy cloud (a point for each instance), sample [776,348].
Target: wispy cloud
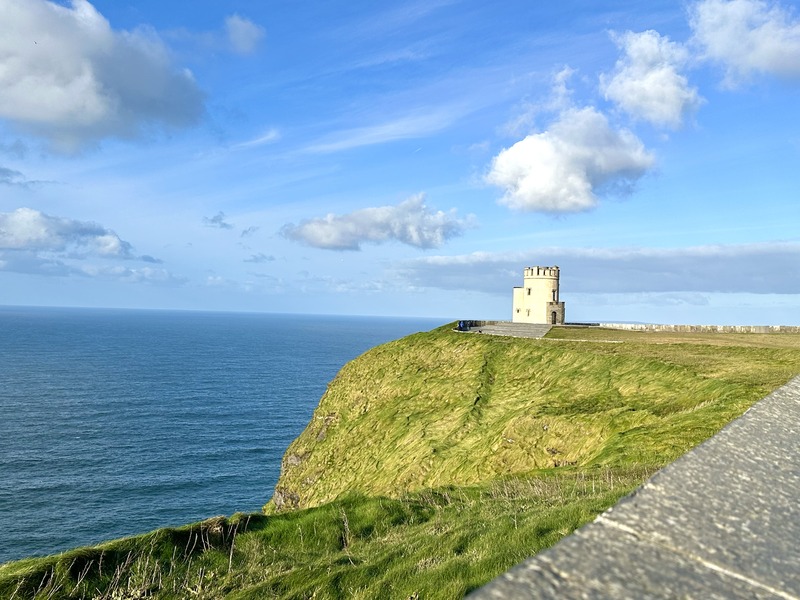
[218,221]
[270,136]
[244,36]
[259,258]
[412,53]
[419,125]
[393,20]
[150,275]
[15,178]
[236,34]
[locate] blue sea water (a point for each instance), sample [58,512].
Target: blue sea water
[116,422]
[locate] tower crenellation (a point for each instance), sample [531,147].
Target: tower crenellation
[541,272]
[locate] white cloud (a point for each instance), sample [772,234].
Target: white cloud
[37,243]
[410,222]
[564,168]
[748,37]
[646,82]
[31,230]
[763,268]
[244,36]
[67,76]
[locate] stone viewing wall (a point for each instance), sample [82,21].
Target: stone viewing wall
[477,323]
[703,328]
[671,328]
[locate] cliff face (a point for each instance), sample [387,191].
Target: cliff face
[443,408]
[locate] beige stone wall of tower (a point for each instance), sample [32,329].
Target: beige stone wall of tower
[538,300]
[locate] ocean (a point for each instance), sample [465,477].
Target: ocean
[117,422]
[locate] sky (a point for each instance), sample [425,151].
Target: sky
[403,158]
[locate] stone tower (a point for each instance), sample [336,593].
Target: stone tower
[537,301]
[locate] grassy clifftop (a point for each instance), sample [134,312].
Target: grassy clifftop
[438,461]
[446,408]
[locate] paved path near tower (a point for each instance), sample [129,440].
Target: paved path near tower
[723,521]
[520,330]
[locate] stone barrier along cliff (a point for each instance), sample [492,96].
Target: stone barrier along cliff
[720,522]
[703,328]
[667,328]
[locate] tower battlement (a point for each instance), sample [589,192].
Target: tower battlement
[541,272]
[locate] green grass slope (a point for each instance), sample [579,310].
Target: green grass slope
[447,408]
[438,461]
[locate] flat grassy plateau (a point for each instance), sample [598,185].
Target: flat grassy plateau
[438,461]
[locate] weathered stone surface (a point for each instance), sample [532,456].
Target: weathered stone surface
[721,522]
[293,460]
[703,328]
[285,499]
[618,565]
[508,329]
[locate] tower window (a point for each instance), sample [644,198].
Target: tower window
[529,291]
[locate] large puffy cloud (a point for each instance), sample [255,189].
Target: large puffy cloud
[748,37]
[67,76]
[564,168]
[763,268]
[34,242]
[410,222]
[646,82]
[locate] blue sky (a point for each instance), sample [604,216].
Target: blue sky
[402,158]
